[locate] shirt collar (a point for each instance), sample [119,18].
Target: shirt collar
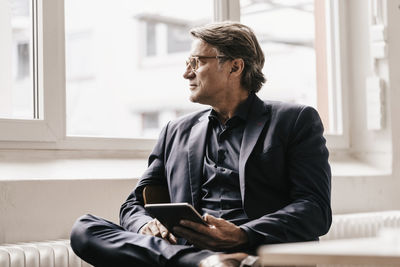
[242,111]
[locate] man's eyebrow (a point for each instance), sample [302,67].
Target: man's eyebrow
[201,56]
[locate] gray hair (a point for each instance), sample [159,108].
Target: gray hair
[235,40]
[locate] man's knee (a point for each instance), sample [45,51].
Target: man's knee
[81,234]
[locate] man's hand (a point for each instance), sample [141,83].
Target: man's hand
[155,228]
[219,235]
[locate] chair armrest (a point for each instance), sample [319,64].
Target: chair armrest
[153,194]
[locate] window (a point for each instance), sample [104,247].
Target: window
[151,39]
[150,123]
[293,37]
[16,64]
[124,69]
[286,33]
[23,67]
[174,40]
[178,38]
[98,78]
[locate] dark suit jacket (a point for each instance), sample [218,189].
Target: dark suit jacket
[283,171]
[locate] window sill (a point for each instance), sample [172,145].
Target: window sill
[77,165]
[352,167]
[70,165]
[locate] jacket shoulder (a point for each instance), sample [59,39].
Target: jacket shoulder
[186,122]
[283,107]
[288,118]
[284,110]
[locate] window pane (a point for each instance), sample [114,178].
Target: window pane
[124,64]
[16,73]
[286,31]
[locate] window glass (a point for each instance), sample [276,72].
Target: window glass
[286,32]
[151,39]
[16,67]
[178,39]
[298,39]
[125,62]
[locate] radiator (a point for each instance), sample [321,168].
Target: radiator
[358,225]
[40,254]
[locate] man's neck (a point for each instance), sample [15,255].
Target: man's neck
[228,106]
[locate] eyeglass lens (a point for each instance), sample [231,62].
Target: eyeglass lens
[192,61]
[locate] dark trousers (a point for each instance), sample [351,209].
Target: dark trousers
[103,243]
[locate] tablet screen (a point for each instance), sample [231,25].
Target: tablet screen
[169,214]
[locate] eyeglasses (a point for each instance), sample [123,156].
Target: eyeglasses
[193,61]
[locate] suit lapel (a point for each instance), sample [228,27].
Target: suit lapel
[197,145]
[257,118]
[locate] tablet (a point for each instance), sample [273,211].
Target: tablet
[169,214]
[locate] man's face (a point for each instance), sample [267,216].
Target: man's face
[208,84]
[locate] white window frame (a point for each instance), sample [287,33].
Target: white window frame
[338,74]
[50,132]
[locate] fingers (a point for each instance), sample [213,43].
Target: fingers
[162,230]
[190,235]
[172,239]
[151,228]
[197,239]
[165,234]
[197,227]
[220,234]
[155,228]
[145,230]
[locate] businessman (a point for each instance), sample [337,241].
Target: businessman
[256,170]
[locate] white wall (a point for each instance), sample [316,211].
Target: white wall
[46,209]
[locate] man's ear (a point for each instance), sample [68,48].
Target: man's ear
[237,66]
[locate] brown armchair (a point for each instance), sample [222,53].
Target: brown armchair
[153,194]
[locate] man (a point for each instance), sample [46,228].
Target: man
[258,171]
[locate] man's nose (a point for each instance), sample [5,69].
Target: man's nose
[189,73]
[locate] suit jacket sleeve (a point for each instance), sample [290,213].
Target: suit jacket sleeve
[132,213]
[308,214]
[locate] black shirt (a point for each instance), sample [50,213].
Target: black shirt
[220,191]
